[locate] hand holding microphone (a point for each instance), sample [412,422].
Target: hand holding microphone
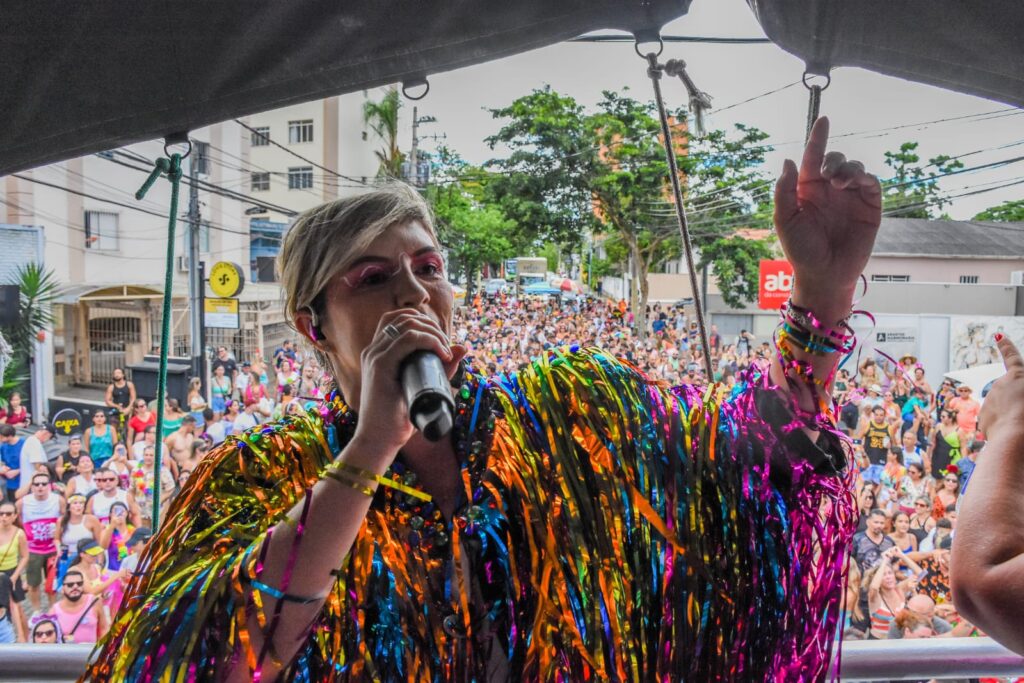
[409,358]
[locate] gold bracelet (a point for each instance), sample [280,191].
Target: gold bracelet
[383,481]
[350,483]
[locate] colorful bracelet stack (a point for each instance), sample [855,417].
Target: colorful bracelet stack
[801,329]
[365,481]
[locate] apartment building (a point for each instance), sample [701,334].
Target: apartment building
[109,250]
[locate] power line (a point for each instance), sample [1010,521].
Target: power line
[84,250]
[755,97]
[267,138]
[202,184]
[89,196]
[212,226]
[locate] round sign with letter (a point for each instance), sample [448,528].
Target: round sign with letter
[67,421]
[226,279]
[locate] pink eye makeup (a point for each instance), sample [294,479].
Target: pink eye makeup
[426,266]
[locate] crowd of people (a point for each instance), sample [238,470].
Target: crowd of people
[73,519]
[71,527]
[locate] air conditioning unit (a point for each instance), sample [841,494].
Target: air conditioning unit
[182,264]
[1017,278]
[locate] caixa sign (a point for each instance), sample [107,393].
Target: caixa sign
[775,280]
[67,421]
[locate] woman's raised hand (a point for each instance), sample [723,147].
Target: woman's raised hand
[827,215]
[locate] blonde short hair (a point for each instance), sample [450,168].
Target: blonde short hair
[325,240]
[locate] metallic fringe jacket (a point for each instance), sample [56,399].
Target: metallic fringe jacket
[611,529]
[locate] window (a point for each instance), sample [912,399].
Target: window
[100,230]
[890,278]
[968,279]
[300,178]
[260,136]
[201,152]
[300,131]
[260,182]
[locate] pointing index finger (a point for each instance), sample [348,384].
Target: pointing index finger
[1011,355]
[814,152]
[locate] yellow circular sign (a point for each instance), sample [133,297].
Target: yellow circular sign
[226,279]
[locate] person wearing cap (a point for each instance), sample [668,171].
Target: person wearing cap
[136,542]
[967,410]
[907,362]
[81,616]
[99,580]
[874,397]
[242,380]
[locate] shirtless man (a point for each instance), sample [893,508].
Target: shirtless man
[196,454]
[180,441]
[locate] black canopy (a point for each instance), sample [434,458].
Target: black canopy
[80,77]
[972,46]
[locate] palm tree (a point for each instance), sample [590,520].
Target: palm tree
[39,290]
[382,117]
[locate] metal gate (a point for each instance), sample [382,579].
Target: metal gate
[113,332]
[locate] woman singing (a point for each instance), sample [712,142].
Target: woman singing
[582,522]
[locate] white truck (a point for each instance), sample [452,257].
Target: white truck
[530,270]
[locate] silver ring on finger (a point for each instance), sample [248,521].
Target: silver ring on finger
[391,331]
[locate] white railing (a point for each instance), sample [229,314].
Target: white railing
[878,660]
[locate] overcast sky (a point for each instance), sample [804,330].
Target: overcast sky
[858,101]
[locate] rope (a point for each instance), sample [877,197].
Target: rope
[813,108]
[814,100]
[654,71]
[171,167]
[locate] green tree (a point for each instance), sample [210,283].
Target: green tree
[1007,212]
[544,184]
[913,190]
[382,117]
[606,171]
[474,230]
[39,290]
[736,261]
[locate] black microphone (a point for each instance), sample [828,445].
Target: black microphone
[431,408]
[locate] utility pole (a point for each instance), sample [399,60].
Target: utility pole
[195,283]
[414,170]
